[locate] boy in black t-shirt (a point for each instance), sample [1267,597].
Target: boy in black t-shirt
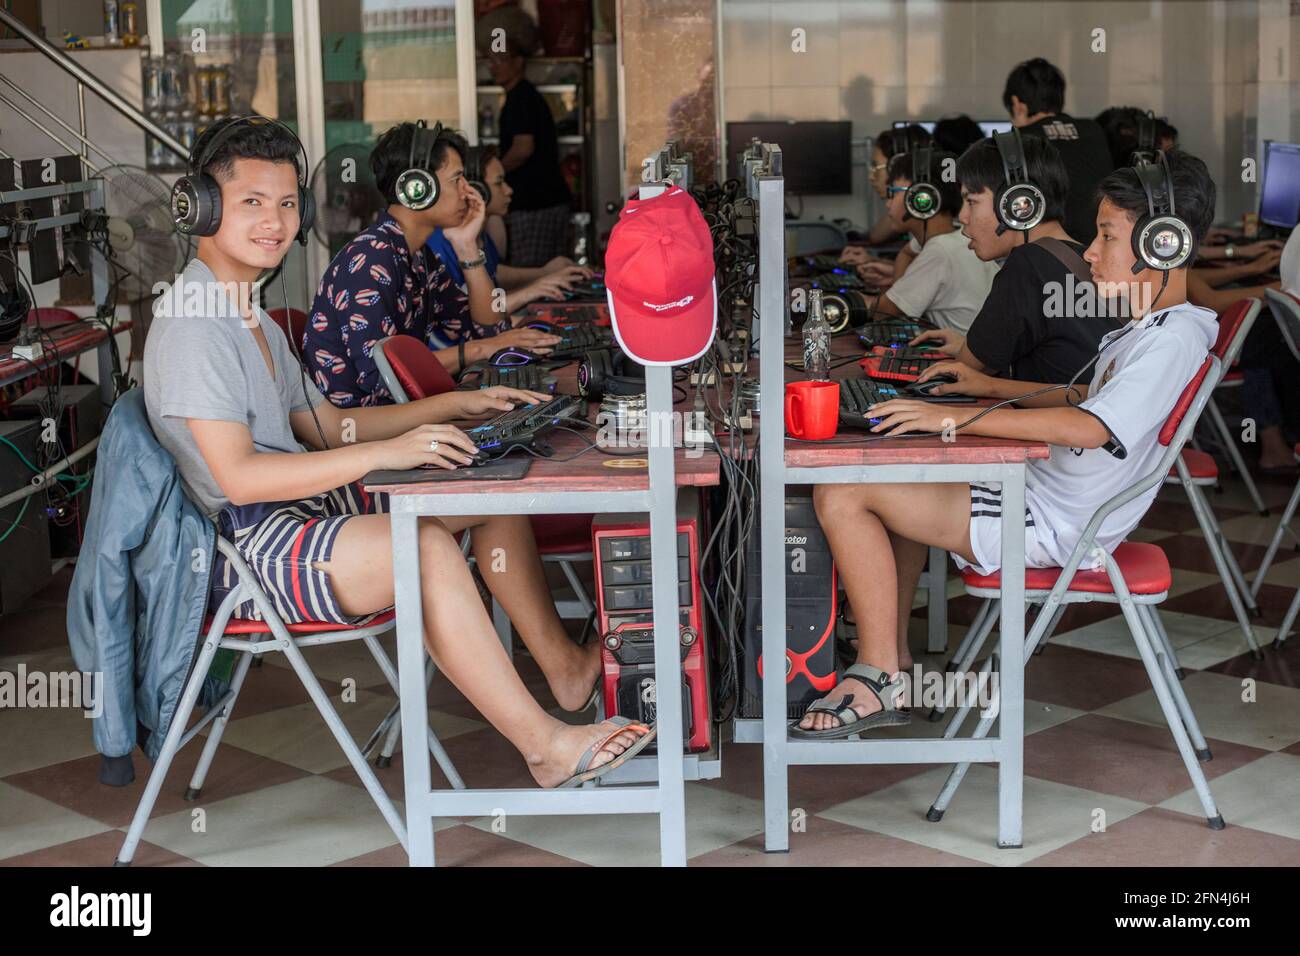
[1034,95]
[1040,322]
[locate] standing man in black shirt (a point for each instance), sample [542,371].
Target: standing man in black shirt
[538,221]
[1035,98]
[1042,320]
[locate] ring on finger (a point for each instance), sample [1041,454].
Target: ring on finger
[433,445]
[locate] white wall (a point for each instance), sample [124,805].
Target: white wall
[875,61]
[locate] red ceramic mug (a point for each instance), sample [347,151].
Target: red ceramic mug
[812,409]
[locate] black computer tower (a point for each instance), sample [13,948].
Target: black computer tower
[25,550]
[811,668]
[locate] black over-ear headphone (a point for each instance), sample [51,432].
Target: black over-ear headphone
[475,174]
[1161,239]
[1146,139]
[196,197]
[922,199]
[417,188]
[608,372]
[1020,205]
[845,309]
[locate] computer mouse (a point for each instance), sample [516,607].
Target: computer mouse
[508,357]
[929,385]
[541,325]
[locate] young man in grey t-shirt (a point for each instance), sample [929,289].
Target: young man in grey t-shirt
[278,467]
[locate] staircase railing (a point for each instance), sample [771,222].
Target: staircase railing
[86,79]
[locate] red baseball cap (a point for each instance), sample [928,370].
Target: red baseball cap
[659,280]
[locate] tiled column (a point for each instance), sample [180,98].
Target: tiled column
[668,50]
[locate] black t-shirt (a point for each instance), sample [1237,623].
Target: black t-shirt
[1086,156]
[538,183]
[1024,333]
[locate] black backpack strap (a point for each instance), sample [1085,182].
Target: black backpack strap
[1067,257]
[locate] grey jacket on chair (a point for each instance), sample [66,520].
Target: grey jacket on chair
[140,591]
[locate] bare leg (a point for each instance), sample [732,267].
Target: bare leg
[506,552]
[859,521]
[461,640]
[910,558]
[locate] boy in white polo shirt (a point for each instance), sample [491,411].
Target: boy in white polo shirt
[1103,437]
[946,283]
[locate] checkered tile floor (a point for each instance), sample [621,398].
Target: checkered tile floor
[1104,784]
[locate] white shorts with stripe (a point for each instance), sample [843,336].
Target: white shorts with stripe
[986,533]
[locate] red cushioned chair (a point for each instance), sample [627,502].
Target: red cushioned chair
[1286,310]
[1196,470]
[1137,577]
[1233,378]
[293,323]
[269,635]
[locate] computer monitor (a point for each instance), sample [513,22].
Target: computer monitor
[816,157]
[1279,189]
[989,127]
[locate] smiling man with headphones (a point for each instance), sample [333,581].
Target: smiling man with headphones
[1104,436]
[279,469]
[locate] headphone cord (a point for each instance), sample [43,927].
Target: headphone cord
[302,368]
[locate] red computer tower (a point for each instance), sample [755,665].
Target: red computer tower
[621,546]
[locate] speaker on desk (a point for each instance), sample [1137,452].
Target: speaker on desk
[810,669]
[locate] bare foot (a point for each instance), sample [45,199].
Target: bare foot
[572,689]
[569,743]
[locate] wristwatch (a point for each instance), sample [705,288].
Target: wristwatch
[1228,252]
[479,260]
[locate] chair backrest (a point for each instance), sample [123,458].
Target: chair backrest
[1286,310]
[293,323]
[409,370]
[1234,325]
[1173,435]
[1184,402]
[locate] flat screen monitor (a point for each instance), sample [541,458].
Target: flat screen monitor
[1279,189]
[987,127]
[816,157]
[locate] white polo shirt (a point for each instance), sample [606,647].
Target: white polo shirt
[1142,371]
[946,283]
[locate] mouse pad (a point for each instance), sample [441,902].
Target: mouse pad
[508,469]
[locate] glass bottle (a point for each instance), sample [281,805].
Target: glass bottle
[130,23]
[816,340]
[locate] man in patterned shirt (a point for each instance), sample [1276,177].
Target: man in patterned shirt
[384,282]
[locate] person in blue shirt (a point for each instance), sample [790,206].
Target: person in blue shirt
[484,172]
[384,282]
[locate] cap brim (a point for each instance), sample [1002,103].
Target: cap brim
[654,339]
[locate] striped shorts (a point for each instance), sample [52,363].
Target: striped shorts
[281,543]
[986,533]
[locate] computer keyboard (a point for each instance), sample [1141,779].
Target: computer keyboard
[837,281]
[576,339]
[535,378]
[521,426]
[587,289]
[894,333]
[900,365]
[568,313]
[859,394]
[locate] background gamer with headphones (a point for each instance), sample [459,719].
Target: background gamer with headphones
[1103,435]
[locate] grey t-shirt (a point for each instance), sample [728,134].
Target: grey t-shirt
[201,361]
